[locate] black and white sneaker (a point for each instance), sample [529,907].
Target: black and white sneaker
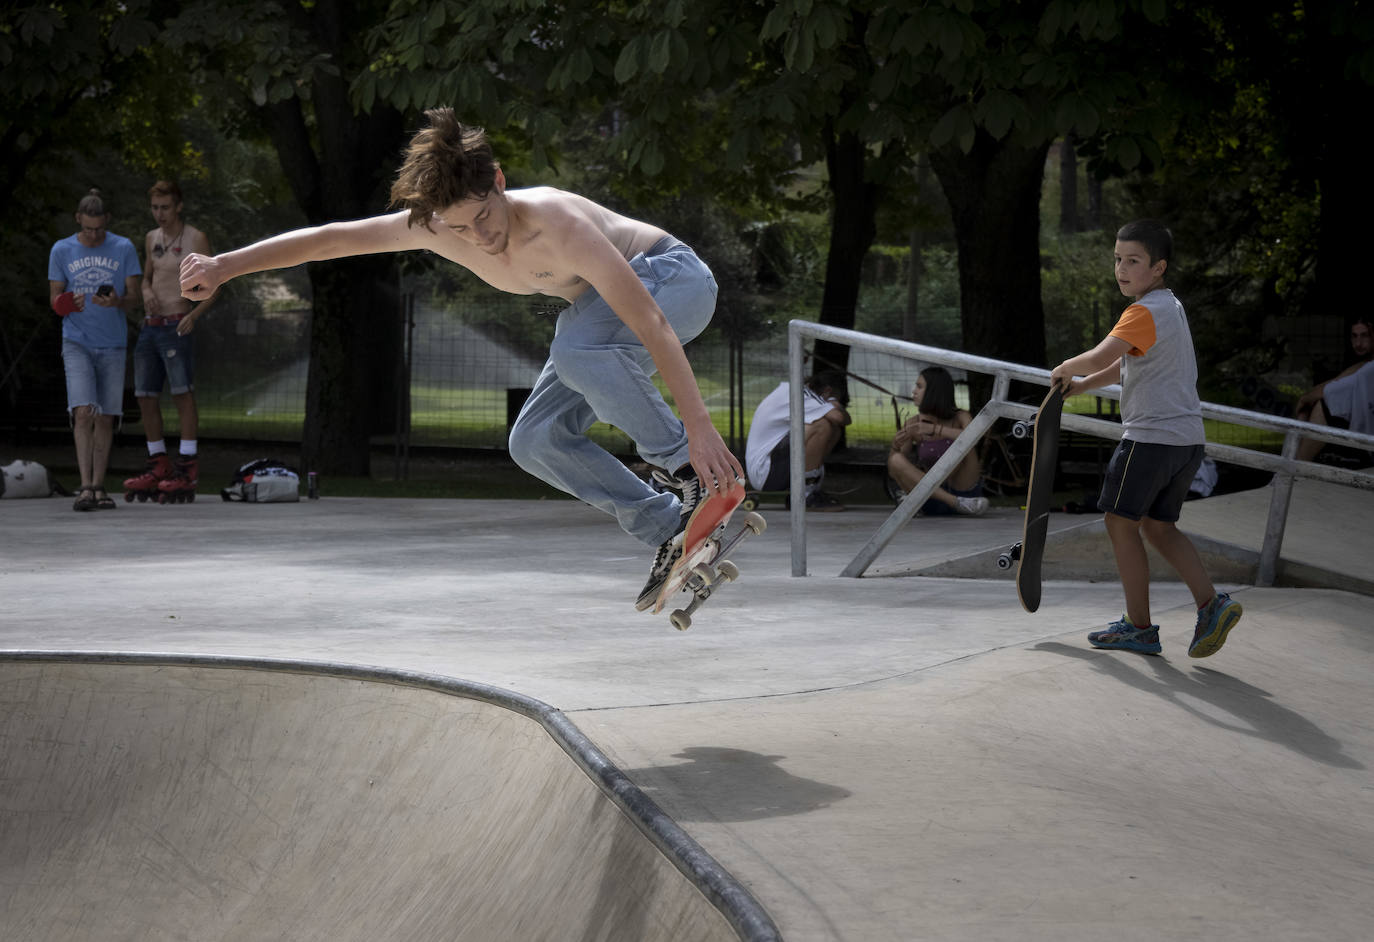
[688,487]
[668,553]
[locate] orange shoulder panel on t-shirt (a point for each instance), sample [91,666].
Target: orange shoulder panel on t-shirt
[1137,328]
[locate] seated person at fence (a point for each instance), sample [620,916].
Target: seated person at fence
[926,436]
[767,453]
[1344,401]
[1347,402]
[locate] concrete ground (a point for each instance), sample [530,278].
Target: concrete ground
[882,758]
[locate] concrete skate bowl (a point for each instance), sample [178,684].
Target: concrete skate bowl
[156,797]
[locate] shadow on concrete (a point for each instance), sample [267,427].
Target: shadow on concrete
[1216,698]
[737,785]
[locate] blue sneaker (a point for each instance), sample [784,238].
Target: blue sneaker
[1214,621]
[1126,636]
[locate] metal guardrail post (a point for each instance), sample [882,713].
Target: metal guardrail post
[1278,516]
[797,472]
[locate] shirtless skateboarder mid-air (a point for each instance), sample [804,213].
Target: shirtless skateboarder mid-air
[635,294]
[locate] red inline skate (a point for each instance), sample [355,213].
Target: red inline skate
[145,486]
[180,486]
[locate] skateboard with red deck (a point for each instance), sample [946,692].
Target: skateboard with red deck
[702,567]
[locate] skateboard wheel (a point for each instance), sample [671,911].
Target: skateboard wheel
[1004,561]
[728,570]
[705,573]
[755,523]
[680,620]
[749,503]
[1021,429]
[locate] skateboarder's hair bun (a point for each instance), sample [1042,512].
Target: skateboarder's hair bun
[446,163]
[91,204]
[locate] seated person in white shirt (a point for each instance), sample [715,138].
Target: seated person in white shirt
[769,448]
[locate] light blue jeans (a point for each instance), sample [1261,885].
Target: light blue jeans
[95,377]
[598,370]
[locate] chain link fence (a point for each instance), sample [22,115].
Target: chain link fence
[469,362]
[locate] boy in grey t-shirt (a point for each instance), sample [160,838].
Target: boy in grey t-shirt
[1150,352]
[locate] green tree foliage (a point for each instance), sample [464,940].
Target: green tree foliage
[740,97]
[69,75]
[1262,180]
[281,71]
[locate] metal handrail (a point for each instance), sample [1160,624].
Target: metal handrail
[1284,466]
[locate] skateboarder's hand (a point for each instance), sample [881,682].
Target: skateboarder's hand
[716,467]
[199,276]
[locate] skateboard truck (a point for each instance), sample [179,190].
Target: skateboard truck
[704,577]
[1013,554]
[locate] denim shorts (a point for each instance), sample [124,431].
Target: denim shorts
[95,377]
[163,356]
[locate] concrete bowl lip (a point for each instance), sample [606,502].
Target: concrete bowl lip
[744,913]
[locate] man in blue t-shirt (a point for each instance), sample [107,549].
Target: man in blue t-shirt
[93,278]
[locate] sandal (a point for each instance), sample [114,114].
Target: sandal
[103,501]
[85,499]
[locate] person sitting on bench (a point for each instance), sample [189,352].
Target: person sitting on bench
[768,450]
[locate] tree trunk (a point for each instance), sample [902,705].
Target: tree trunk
[852,230]
[1068,185]
[913,278]
[1092,219]
[351,390]
[1343,181]
[913,285]
[994,197]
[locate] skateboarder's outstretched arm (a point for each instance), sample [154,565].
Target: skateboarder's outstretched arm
[202,274]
